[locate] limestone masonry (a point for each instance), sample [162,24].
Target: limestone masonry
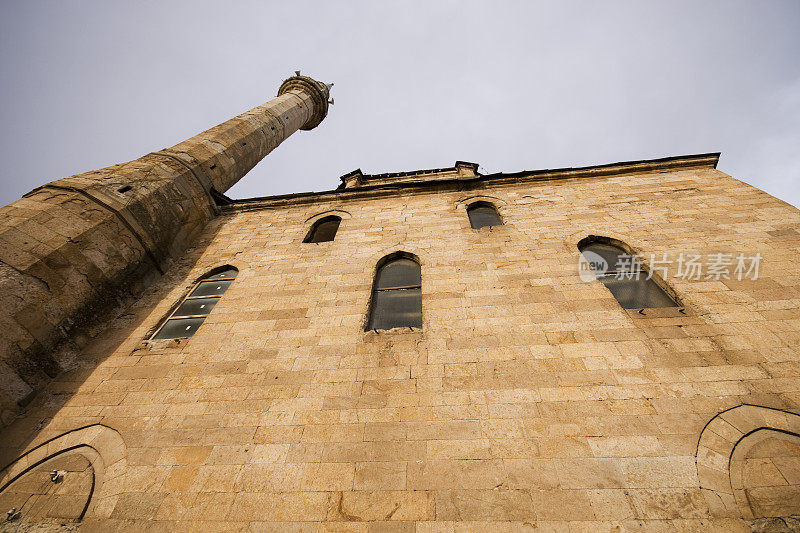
[528,399]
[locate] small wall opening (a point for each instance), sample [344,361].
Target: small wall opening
[324,229]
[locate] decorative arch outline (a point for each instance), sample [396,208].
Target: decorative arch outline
[613,241]
[344,215]
[579,238]
[214,270]
[393,251]
[723,446]
[100,444]
[464,203]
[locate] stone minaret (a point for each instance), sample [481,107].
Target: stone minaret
[74,252]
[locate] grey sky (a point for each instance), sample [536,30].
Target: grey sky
[509,85]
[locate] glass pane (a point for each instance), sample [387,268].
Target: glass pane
[608,253]
[229,273]
[324,230]
[176,328]
[638,294]
[398,273]
[481,216]
[396,308]
[196,306]
[211,288]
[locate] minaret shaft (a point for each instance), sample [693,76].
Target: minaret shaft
[75,252]
[228,151]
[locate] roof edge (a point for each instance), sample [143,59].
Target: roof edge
[710,159]
[358,173]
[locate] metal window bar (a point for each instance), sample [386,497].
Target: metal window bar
[627,273]
[399,287]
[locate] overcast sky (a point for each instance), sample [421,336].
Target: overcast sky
[510,85]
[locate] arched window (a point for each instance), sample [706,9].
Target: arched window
[624,276]
[483,214]
[396,294]
[193,310]
[324,229]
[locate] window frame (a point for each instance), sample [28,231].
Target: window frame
[172,315]
[643,271]
[315,225]
[484,203]
[382,263]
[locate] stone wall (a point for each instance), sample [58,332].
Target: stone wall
[528,398]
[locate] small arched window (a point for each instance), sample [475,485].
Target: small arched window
[195,307]
[624,276]
[396,294]
[483,214]
[324,229]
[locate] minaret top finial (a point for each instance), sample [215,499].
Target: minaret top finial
[320,93]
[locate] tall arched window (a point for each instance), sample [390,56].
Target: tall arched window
[624,276]
[396,294]
[324,229]
[195,307]
[483,214]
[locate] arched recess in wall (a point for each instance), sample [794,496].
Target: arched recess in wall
[483,215]
[748,462]
[482,211]
[617,266]
[75,475]
[189,313]
[324,226]
[324,230]
[462,204]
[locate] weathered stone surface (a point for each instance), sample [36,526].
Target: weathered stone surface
[528,399]
[76,252]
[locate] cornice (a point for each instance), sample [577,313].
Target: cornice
[706,160]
